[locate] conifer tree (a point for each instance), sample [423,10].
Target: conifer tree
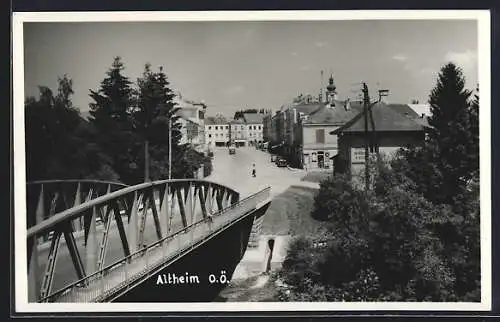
[449,157]
[451,128]
[155,107]
[110,116]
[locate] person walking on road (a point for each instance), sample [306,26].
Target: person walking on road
[254,174]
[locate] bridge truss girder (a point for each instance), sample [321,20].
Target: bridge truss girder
[165,201]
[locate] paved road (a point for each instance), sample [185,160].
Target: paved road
[235,171]
[230,170]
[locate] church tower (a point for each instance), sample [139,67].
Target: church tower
[331,92]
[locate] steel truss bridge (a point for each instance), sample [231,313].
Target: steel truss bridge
[118,236]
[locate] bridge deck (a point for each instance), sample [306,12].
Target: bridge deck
[110,281]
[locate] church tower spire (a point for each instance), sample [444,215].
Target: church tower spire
[331,91]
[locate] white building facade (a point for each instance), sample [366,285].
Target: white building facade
[192,119]
[216,132]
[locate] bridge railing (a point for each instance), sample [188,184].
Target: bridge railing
[99,285]
[135,203]
[48,197]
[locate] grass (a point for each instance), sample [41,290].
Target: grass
[290,214]
[316,176]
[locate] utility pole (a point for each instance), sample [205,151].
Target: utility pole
[321,89]
[366,103]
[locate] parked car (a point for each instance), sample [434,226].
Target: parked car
[281,162]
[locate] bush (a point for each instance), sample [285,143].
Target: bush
[339,201]
[207,167]
[389,244]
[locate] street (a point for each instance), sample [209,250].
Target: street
[235,171]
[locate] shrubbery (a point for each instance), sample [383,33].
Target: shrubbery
[395,246]
[414,233]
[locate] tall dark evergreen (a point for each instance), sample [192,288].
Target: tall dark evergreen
[155,107]
[450,157]
[110,116]
[451,127]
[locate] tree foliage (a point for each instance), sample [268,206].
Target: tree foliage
[449,160]
[240,114]
[415,235]
[110,116]
[60,144]
[155,109]
[57,139]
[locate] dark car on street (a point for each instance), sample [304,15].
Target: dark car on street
[280,162]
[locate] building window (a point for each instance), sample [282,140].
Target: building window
[320,136]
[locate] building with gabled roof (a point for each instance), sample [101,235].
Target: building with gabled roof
[216,131]
[390,127]
[192,119]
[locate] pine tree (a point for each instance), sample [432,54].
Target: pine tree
[449,158]
[110,116]
[451,131]
[155,108]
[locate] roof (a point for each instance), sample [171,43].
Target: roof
[187,120]
[420,109]
[307,108]
[333,115]
[237,121]
[215,120]
[404,110]
[385,119]
[253,118]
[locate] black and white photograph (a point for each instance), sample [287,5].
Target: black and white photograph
[239,161]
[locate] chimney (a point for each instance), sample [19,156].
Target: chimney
[382,93]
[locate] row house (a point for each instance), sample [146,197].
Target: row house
[238,132]
[267,127]
[254,128]
[192,120]
[220,132]
[316,146]
[217,132]
[300,132]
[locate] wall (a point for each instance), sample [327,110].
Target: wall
[216,133]
[389,143]
[254,132]
[309,137]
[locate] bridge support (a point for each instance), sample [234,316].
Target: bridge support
[132,224]
[91,247]
[77,223]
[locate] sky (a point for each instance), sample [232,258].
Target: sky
[254,64]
